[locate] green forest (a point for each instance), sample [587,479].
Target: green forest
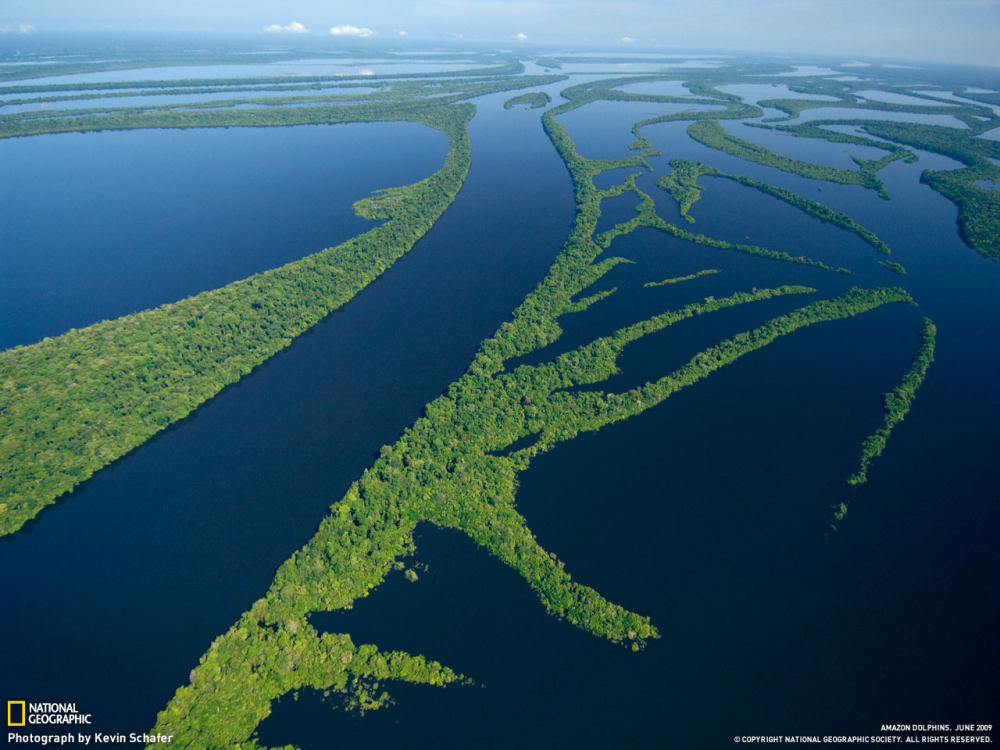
[454,468]
[76,402]
[896,405]
[531,100]
[72,404]
[682,184]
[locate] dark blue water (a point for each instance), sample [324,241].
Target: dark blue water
[708,517]
[602,130]
[610,177]
[616,210]
[708,513]
[111,597]
[99,225]
[813,150]
[736,213]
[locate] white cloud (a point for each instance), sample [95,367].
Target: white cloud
[293,28]
[626,40]
[519,36]
[20,28]
[401,32]
[351,31]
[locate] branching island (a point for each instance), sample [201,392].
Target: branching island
[714,135]
[72,404]
[682,184]
[896,405]
[531,100]
[455,468]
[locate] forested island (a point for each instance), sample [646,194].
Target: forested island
[73,404]
[80,400]
[452,468]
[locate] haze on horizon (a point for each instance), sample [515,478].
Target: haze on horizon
[958,31]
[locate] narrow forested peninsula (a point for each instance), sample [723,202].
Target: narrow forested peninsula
[454,467]
[531,100]
[72,404]
[682,184]
[713,134]
[679,279]
[896,405]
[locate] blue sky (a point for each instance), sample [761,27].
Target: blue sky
[948,30]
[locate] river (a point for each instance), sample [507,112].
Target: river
[707,513]
[112,596]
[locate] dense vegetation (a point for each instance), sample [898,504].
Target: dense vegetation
[979,209]
[896,405]
[679,279]
[98,94]
[363,89]
[411,103]
[585,170]
[846,100]
[531,99]
[647,216]
[457,467]
[714,135]
[72,404]
[445,469]
[548,62]
[682,184]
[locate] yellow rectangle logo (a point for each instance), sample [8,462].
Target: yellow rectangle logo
[12,713]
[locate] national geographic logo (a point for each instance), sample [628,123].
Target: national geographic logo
[44,724]
[22,713]
[16,712]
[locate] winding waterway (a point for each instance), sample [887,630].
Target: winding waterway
[119,589]
[99,225]
[707,513]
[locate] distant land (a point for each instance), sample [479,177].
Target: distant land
[647,399]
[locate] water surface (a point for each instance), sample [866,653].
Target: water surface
[161,552]
[99,225]
[707,513]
